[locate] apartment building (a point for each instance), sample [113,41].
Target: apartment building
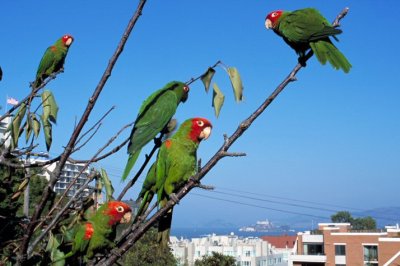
[249,251]
[70,172]
[335,244]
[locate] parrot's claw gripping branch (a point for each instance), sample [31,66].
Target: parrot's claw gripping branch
[174,198]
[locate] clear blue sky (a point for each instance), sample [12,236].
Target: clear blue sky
[328,138]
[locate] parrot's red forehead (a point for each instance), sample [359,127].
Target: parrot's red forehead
[67,39]
[274,15]
[118,205]
[116,210]
[199,127]
[199,122]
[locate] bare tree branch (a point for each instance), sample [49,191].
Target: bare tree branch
[193,181]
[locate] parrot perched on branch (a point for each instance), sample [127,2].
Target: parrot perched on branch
[96,233]
[306,29]
[176,163]
[53,59]
[154,115]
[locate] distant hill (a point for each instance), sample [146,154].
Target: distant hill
[383,216]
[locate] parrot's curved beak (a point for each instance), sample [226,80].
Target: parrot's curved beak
[69,41]
[126,218]
[205,133]
[268,24]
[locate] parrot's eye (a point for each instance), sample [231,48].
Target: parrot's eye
[120,209]
[200,123]
[274,14]
[185,88]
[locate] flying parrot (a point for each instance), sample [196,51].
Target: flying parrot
[97,232]
[176,163]
[306,29]
[53,59]
[154,114]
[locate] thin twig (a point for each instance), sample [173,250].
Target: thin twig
[97,123]
[194,79]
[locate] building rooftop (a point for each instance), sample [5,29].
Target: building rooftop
[284,241]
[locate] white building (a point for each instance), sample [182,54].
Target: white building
[68,174]
[5,138]
[249,251]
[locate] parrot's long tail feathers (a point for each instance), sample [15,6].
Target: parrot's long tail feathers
[144,205]
[326,51]
[129,165]
[164,228]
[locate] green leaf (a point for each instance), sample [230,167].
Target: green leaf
[15,124]
[47,129]
[107,184]
[28,128]
[206,78]
[236,83]
[35,125]
[218,99]
[50,108]
[55,253]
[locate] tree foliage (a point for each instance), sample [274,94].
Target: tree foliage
[147,253]
[216,259]
[362,223]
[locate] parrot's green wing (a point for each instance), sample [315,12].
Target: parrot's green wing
[154,115]
[46,63]
[305,25]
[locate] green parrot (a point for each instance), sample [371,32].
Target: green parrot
[306,29]
[96,233]
[154,114]
[53,59]
[176,163]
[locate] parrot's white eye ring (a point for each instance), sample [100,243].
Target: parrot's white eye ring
[185,88]
[200,123]
[120,209]
[274,14]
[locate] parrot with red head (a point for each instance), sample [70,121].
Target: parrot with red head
[96,233]
[176,163]
[306,29]
[53,59]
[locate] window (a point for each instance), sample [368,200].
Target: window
[370,254]
[313,249]
[340,250]
[247,253]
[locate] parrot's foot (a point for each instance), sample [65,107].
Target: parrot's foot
[157,142]
[302,61]
[174,198]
